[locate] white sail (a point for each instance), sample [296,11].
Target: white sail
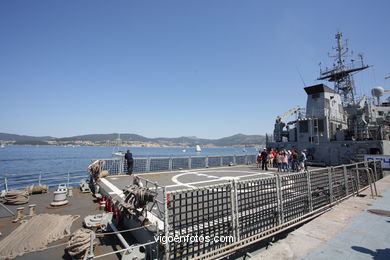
[197,148]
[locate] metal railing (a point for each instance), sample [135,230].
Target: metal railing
[52,179]
[158,164]
[252,210]
[119,166]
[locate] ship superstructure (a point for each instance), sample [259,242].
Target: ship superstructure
[336,127]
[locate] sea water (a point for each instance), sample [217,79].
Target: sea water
[20,159]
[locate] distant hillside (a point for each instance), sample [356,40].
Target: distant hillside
[12,137]
[235,140]
[31,142]
[239,139]
[105,137]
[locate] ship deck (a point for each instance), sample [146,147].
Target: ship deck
[81,204]
[113,186]
[177,180]
[84,204]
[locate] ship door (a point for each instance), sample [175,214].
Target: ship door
[334,154]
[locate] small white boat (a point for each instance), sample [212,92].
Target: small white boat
[115,151]
[197,149]
[184,150]
[2,146]
[118,154]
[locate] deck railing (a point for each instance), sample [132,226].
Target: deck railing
[158,164]
[52,179]
[119,166]
[252,210]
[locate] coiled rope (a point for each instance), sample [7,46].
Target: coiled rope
[80,242]
[16,197]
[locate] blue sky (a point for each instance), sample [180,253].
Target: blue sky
[174,68]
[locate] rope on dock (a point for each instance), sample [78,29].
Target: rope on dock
[80,242]
[16,197]
[37,189]
[35,234]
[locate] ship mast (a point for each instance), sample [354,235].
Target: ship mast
[341,73]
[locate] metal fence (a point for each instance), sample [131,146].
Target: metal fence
[52,179]
[251,210]
[119,166]
[158,164]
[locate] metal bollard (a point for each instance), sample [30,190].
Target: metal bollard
[32,209]
[20,214]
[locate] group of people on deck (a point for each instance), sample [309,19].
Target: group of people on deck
[284,160]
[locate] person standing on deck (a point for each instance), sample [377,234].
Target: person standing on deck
[264,159]
[274,164]
[258,160]
[303,160]
[294,161]
[130,161]
[279,160]
[285,161]
[271,159]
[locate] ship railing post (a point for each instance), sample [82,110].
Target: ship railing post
[166,223]
[189,162]
[310,196]
[371,171]
[170,164]
[6,183]
[375,172]
[68,181]
[356,182]
[370,181]
[346,180]
[280,199]
[206,163]
[121,166]
[237,211]
[147,166]
[246,159]
[234,159]
[331,199]
[221,161]
[357,178]
[234,205]
[40,178]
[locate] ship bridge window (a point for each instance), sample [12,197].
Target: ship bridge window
[321,125]
[303,126]
[375,151]
[327,103]
[380,113]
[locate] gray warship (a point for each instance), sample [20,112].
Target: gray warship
[336,127]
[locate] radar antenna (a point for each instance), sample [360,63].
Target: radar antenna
[341,73]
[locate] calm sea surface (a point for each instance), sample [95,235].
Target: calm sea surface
[30,159]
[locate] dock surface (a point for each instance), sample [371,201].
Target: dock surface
[347,231]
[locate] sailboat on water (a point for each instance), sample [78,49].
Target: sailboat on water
[197,149]
[118,143]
